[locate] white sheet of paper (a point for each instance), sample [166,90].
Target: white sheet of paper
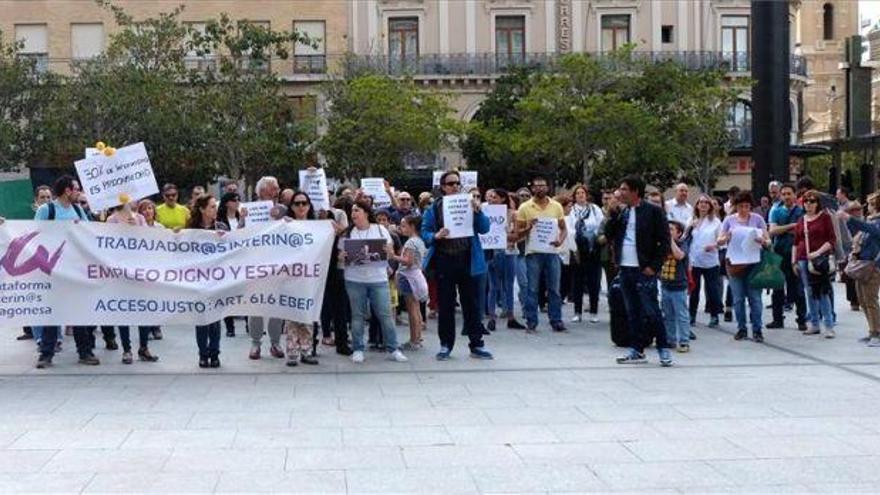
[104,178]
[468,179]
[545,231]
[314,183]
[258,211]
[497,236]
[375,188]
[742,248]
[458,216]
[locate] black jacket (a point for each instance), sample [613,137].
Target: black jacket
[652,234]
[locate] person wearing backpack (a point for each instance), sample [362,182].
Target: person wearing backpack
[587,218]
[783,219]
[65,208]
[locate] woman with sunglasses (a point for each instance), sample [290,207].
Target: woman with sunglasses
[743,218]
[204,217]
[230,209]
[814,239]
[703,230]
[299,335]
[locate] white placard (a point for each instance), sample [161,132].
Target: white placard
[743,249]
[497,236]
[314,183]
[90,152]
[128,171]
[258,211]
[468,179]
[113,274]
[544,232]
[458,216]
[375,188]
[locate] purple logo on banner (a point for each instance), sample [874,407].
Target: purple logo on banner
[39,261]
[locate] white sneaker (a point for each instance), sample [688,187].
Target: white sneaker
[829,333]
[357,357]
[398,356]
[594,319]
[874,342]
[576,319]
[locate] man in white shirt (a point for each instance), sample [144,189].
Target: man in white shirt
[678,208]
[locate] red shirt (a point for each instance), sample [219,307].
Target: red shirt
[821,231]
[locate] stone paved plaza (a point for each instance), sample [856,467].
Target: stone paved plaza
[552,413]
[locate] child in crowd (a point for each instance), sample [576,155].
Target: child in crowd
[674,282]
[410,280]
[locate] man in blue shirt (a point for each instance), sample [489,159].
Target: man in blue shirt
[783,218]
[65,208]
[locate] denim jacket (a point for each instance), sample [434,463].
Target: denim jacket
[870,249]
[481,226]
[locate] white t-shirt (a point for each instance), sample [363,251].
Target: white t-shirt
[703,234]
[630,256]
[371,272]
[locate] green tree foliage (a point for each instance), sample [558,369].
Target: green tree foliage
[376,121]
[595,119]
[204,103]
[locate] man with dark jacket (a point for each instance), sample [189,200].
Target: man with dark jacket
[641,241]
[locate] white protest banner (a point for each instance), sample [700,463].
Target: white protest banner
[544,232]
[257,211]
[458,216]
[375,188]
[743,248]
[314,183]
[497,236]
[63,273]
[468,179]
[128,171]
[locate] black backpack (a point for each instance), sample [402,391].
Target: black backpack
[79,211]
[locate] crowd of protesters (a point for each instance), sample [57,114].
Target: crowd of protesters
[664,257]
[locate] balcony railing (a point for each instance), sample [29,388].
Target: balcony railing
[489,64]
[309,64]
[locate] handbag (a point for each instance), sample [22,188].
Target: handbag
[857,269]
[736,271]
[820,265]
[768,272]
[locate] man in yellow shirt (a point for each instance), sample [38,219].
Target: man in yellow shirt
[171,214]
[546,218]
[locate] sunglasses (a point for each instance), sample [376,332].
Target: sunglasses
[450,184]
[300,203]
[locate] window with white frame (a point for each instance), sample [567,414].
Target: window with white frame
[247,62]
[194,59]
[403,39]
[86,40]
[35,43]
[310,56]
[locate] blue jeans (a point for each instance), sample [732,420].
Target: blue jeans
[819,307]
[712,279]
[739,287]
[522,279]
[378,296]
[642,309]
[676,317]
[502,272]
[548,266]
[208,340]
